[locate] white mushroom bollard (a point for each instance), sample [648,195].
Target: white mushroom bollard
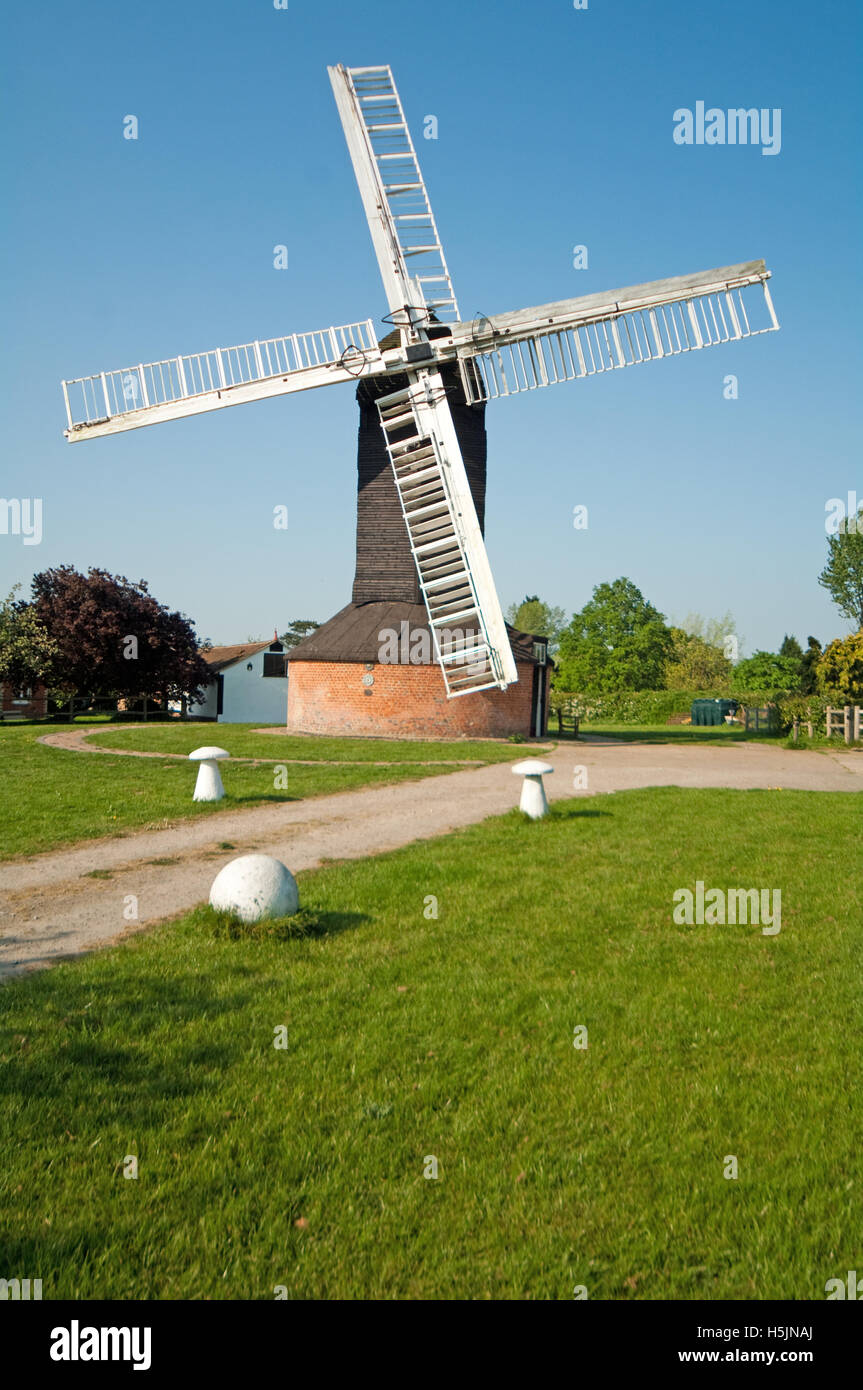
[533,799]
[255,886]
[209,784]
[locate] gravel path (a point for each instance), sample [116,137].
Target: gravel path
[51,905]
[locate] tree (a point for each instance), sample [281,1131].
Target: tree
[538,618]
[842,576]
[113,637]
[716,632]
[809,666]
[791,647]
[26,649]
[618,641]
[695,664]
[766,671]
[840,670]
[297,630]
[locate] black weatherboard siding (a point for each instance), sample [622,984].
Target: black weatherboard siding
[385,566]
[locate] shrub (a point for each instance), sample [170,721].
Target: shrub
[645,706]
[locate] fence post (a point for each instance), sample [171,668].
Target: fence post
[858,720]
[848,724]
[828,716]
[796,729]
[809,729]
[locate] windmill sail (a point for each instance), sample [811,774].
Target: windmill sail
[597,333]
[467,625]
[465,618]
[513,352]
[404,232]
[152,392]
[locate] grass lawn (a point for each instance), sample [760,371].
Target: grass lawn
[680,733]
[722,734]
[410,1037]
[54,796]
[245,743]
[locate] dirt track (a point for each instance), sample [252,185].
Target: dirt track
[50,908]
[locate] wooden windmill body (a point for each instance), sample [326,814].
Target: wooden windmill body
[421,559]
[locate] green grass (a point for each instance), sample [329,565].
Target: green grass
[723,734]
[54,796]
[245,743]
[411,1036]
[679,733]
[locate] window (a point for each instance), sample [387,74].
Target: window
[23,696]
[275,664]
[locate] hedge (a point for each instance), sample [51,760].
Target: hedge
[658,706]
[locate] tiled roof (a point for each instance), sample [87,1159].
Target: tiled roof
[354,633]
[220,657]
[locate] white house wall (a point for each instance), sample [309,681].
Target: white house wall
[250,695]
[208,706]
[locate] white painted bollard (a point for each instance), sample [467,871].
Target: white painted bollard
[209,784]
[533,799]
[255,886]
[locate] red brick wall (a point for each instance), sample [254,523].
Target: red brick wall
[36,708]
[406,702]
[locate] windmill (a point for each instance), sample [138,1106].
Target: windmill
[412,378]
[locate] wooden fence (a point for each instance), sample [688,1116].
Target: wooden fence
[847,720]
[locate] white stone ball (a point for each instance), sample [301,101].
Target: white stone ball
[255,886]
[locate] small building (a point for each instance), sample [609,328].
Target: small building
[23,701]
[250,684]
[344,681]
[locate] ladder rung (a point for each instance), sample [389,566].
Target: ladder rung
[450,579]
[451,617]
[426,511]
[478,652]
[411,479]
[434,545]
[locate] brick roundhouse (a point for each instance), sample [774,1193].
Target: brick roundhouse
[338,681]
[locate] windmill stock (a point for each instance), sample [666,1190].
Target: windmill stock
[434,355]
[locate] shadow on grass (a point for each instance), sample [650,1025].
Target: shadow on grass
[72,1034]
[306,924]
[90,1034]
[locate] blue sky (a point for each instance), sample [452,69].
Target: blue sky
[555,128]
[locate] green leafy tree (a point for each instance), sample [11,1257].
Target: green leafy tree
[766,671]
[538,618]
[618,641]
[791,650]
[716,632]
[695,664]
[791,647]
[842,576]
[809,667]
[297,630]
[840,670]
[26,649]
